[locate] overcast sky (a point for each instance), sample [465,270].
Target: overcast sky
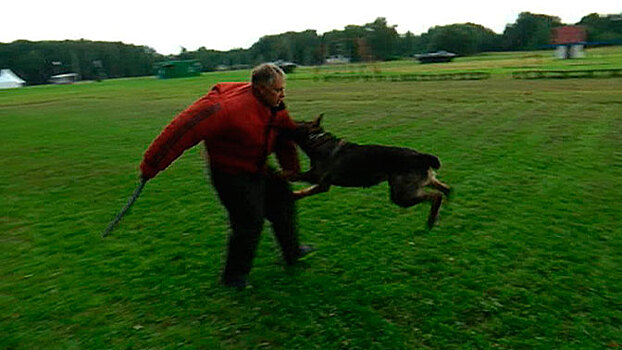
[224,25]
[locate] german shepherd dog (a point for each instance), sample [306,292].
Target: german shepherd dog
[340,163]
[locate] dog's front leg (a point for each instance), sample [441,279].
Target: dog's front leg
[307,176]
[310,191]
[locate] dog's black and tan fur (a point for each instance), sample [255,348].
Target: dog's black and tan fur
[337,162]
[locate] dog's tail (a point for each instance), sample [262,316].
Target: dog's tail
[432,161]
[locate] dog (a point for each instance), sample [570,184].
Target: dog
[340,163]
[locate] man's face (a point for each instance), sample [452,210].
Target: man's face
[274,94]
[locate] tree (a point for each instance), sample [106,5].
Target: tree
[299,47]
[607,29]
[36,62]
[372,41]
[463,39]
[530,32]
[381,38]
[409,44]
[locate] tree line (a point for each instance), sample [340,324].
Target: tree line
[35,62]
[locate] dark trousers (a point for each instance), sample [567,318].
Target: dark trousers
[249,199]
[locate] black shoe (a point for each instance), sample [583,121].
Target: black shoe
[305,250]
[238,283]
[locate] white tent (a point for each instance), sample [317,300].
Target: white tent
[9,80]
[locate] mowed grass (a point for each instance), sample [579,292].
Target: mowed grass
[498,64]
[526,253]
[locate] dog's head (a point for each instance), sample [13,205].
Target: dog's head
[306,132]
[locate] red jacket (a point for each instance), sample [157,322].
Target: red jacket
[234,125]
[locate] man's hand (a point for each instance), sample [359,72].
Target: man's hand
[145,178]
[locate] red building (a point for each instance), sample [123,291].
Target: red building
[568,35]
[569,41]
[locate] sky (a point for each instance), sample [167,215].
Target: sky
[228,24]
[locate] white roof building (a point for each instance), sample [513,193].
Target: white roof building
[9,80]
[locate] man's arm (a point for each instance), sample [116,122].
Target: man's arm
[285,148]
[287,156]
[184,131]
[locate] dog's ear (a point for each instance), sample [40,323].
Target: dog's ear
[318,120]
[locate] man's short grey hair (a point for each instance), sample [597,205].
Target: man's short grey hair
[266,73]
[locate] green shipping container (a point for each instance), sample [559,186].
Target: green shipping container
[178,69]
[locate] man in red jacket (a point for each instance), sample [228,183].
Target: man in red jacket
[240,124]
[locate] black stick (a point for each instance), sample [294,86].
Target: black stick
[125,208]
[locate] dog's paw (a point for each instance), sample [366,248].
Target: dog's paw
[449,193]
[298,194]
[432,220]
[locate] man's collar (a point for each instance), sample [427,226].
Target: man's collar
[278,108]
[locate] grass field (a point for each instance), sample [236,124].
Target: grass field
[526,255]
[500,65]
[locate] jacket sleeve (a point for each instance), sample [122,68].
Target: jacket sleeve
[186,130]
[285,148]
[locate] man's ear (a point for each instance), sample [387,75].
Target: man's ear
[318,119]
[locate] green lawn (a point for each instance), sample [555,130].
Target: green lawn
[499,64]
[526,254]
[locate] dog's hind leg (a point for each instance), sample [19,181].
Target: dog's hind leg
[407,191]
[436,199]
